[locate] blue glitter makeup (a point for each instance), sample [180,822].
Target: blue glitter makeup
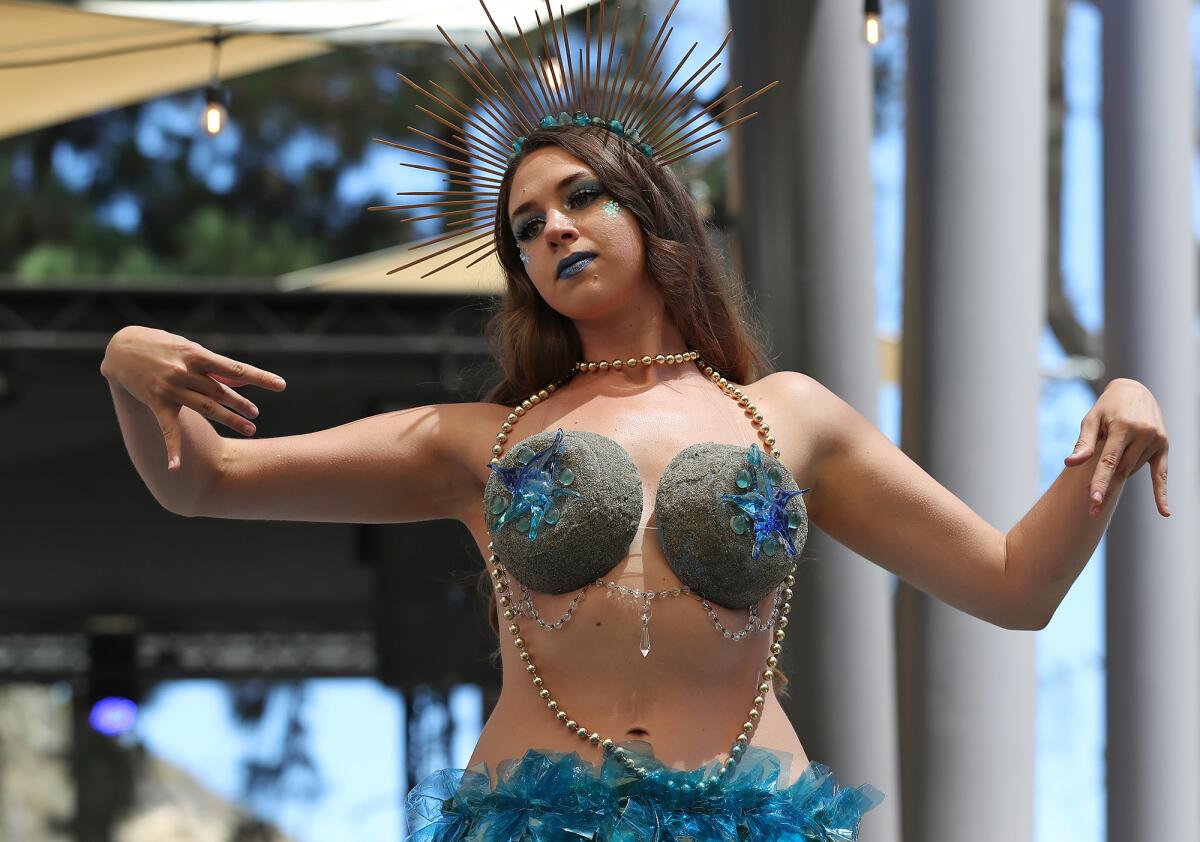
[611,208]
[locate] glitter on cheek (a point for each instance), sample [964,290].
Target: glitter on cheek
[611,207]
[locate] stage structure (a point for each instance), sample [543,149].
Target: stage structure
[89,556]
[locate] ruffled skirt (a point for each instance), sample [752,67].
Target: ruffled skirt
[549,796]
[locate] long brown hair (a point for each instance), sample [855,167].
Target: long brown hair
[535,345]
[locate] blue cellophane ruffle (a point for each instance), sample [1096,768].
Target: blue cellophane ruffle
[549,796]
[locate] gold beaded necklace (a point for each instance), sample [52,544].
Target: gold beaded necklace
[504,589]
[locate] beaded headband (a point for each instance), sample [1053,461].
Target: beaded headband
[588,95]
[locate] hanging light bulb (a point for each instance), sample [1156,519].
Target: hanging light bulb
[872,22]
[216,98]
[215,112]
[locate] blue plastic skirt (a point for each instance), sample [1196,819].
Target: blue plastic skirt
[549,796]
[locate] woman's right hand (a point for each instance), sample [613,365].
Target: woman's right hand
[167,372]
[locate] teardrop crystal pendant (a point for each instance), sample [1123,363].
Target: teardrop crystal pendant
[645,646]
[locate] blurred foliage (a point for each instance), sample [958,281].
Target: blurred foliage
[140,195]
[273,204]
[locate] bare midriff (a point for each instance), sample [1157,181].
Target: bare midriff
[689,697]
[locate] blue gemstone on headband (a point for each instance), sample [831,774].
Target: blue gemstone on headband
[634,136]
[647,148]
[546,122]
[564,119]
[597,121]
[581,119]
[616,126]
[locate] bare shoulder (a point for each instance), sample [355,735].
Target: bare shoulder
[803,405]
[791,385]
[423,463]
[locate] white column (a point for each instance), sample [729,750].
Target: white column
[974,309]
[807,248]
[1153,564]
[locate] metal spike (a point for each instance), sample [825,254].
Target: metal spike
[658,92]
[471,81]
[668,143]
[618,103]
[679,145]
[648,65]
[440,156]
[639,84]
[516,63]
[538,71]
[608,77]
[682,106]
[573,99]
[557,83]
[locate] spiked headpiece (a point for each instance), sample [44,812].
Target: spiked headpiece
[560,91]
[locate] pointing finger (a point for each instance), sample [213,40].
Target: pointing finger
[1137,450]
[1102,479]
[234,373]
[1158,475]
[168,423]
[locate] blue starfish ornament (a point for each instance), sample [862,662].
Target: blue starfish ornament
[535,485]
[765,507]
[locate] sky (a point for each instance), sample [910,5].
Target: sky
[358,725]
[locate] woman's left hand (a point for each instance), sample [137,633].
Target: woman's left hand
[1127,418]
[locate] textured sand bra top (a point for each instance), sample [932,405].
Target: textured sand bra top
[562,508]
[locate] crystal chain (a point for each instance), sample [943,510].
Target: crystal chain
[525,607]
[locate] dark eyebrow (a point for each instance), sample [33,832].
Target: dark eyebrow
[575,176]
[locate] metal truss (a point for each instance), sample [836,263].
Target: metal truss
[55,320]
[160,656]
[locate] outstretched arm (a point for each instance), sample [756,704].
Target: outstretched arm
[1048,549]
[870,496]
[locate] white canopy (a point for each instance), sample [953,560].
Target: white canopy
[59,64]
[346,21]
[369,272]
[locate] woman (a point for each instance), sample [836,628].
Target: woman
[621,716]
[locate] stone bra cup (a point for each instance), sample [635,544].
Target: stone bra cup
[562,508]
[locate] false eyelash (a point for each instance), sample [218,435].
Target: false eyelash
[521,234]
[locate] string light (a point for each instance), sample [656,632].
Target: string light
[215,112]
[216,97]
[872,22]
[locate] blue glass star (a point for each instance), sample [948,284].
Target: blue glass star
[765,505]
[534,486]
